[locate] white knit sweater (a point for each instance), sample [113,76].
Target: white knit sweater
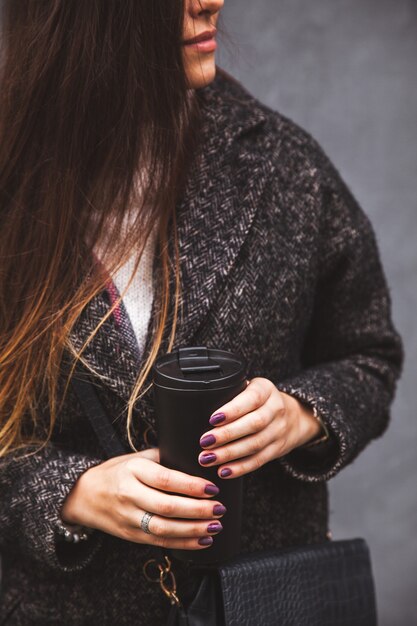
[139,296]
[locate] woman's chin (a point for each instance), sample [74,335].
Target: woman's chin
[201,74]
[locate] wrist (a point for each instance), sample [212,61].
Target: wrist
[319,433]
[310,427]
[73,511]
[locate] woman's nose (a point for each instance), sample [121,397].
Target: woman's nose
[206,6]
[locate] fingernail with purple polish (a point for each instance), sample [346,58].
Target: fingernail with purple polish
[208,440]
[217,418]
[205,541]
[226,471]
[219,509]
[214,527]
[211,490]
[207,458]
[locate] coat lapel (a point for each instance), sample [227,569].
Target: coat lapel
[214,217]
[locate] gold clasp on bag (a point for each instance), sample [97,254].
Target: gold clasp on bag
[165,575]
[171,593]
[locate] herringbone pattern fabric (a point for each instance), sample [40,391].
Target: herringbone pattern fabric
[278,262]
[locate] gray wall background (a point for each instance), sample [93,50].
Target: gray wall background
[345,70]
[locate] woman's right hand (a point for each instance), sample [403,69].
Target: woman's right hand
[114,495]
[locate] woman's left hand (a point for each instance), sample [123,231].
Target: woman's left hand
[260,424]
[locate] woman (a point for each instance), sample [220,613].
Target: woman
[116,138]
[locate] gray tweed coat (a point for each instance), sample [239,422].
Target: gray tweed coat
[278,262]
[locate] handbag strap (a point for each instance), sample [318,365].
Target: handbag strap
[97,416]
[113,446]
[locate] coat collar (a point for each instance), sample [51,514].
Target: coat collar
[214,216]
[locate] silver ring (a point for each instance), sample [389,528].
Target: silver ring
[145,522]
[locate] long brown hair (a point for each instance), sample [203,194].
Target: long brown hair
[91,92]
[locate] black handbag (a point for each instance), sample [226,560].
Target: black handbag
[321,584]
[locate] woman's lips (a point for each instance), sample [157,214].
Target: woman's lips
[204,42]
[208,45]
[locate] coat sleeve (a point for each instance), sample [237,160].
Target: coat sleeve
[33,489]
[352,355]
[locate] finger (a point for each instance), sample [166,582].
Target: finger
[175,543]
[173,481]
[166,527]
[240,448]
[252,462]
[137,535]
[166,505]
[246,425]
[256,393]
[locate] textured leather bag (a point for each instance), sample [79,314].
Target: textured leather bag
[321,584]
[313,585]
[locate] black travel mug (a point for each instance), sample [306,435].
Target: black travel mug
[189,384]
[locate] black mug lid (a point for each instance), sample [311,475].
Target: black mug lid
[199,367]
